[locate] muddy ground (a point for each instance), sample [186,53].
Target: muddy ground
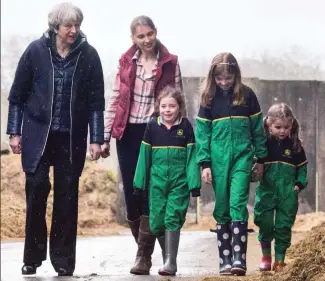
[110,258]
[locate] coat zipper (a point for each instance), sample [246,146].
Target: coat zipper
[71,107]
[48,131]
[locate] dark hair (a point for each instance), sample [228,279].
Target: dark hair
[284,112]
[174,93]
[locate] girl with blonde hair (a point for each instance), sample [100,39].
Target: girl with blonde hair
[276,201]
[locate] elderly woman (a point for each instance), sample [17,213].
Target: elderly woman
[58,90]
[144,70]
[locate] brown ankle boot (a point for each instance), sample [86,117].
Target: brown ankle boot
[146,245]
[134,226]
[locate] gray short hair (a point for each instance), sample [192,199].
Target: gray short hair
[62,13]
[141,20]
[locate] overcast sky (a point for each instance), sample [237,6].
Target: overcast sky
[191,29]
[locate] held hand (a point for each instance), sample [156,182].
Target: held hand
[94,150]
[104,153]
[15,144]
[207,175]
[297,188]
[258,171]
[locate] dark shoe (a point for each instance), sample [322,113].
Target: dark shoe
[171,249]
[29,269]
[134,226]
[161,241]
[239,248]
[225,250]
[146,245]
[64,272]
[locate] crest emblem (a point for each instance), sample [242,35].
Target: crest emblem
[179,132]
[287,152]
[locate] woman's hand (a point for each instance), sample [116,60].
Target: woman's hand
[15,144]
[104,153]
[94,150]
[207,175]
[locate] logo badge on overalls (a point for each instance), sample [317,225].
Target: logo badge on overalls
[287,152]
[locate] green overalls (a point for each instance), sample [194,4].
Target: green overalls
[228,136]
[276,201]
[167,165]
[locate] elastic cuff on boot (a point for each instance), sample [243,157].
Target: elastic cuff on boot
[265,245]
[266,249]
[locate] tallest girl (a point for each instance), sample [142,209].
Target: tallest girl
[229,133]
[144,70]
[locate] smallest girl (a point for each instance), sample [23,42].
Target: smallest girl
[167,166]
[285,175]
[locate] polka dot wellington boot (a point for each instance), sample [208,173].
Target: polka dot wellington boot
[239,247]
[225,250]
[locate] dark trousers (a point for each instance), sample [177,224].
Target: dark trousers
[65,207]
[128,149]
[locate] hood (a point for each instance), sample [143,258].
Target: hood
[49,37]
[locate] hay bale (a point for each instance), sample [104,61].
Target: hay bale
[97,200]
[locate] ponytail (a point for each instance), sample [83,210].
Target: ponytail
[266,127]
[294,134]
